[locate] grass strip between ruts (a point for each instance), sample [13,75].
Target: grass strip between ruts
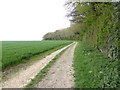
[43,72]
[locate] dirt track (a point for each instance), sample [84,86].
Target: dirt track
[60,74]
[22,77]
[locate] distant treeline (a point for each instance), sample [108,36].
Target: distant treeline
[71,33]
[95,22]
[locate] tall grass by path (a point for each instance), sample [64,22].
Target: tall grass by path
[93,69]
[15,52]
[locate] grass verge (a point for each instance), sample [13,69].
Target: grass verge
[93,69]
[43,72]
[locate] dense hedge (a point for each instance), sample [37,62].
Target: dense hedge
[97,23]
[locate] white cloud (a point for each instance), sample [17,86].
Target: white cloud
[30,19]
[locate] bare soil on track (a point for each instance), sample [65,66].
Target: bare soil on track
[60,74]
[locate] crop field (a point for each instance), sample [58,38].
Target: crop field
[13,52]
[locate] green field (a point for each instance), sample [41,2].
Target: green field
[0,55]
[93,69]
[14,52]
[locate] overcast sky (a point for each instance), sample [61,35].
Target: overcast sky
[31,19]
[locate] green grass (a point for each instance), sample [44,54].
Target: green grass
[43,72]
[0,55]
[93,69]
[16,52]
